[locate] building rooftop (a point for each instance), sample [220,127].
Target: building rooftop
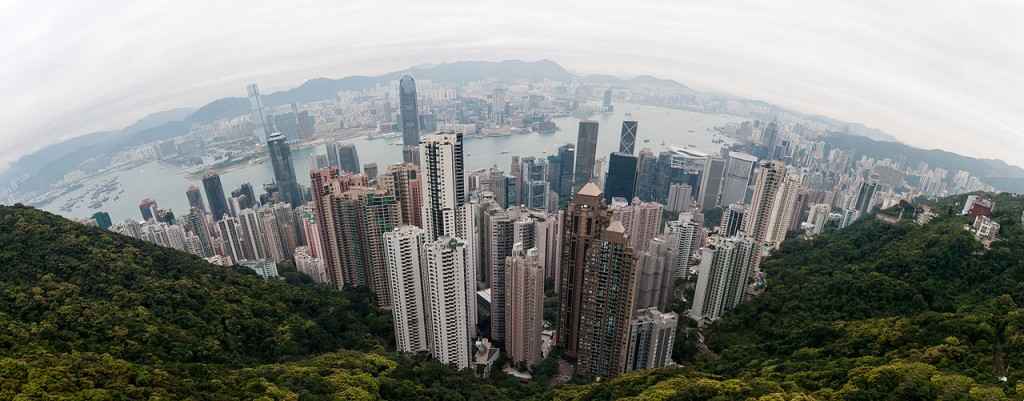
[743,156]
[590,189]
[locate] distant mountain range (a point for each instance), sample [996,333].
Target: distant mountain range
[38,171]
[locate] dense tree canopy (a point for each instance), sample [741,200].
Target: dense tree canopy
[876,311]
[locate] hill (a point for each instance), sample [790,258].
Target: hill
[876,311]
[997,173]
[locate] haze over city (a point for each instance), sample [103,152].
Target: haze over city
[934,75]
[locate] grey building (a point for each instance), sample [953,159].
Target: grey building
[410,117]
[621,179]
[586,154]
[627,138]
[284,171]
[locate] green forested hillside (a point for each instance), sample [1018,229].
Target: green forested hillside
[874,312]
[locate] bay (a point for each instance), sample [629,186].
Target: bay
[658,129]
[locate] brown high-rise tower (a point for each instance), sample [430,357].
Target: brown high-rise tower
[608,291]
[585,219]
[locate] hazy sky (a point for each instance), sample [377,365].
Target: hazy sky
[934,74]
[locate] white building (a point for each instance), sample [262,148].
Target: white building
[652,334]
[723,276]
[409,311]
[445,295]
[679,198]
[688,236]
[443,183]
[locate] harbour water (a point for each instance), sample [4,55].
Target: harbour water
[658,129]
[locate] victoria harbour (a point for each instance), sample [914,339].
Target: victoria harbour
[659,129]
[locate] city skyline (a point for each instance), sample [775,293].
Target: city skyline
[879,94]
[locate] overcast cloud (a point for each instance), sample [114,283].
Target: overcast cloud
[934,74]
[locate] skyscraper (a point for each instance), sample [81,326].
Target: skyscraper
[627,139]
[567,158]
[402,181]
[501,235]
[642,220]
[258,112]
[196,223]
[251,235]
[865,197]
[326,186]
[757,222]
[584,220]
[738,170]
[409,310]
[609,290]
[732,220]
[621,180]
[652,334]
[348,158]
[148,208]
[818,217]
[471,231]
[646,174]
[679,198]
[195,199]
[586,154]
[446,297]
[443,183]
[711,183]
[524,305]
[656,265]
[365,214]
[722,278]
[284,171]
[785,208]
[410,118]
[688,235]
[231,238]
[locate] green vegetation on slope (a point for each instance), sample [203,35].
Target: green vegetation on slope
[873,312]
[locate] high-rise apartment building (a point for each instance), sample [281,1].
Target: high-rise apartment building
[524,305]
[818,217]
[406,268]
[641,219]
[442,182]
[326,186]
[365,215]
[402,181]
[722,278]
[445,296]
[657,264]
[732,220]
[756,223]
[652,334]
[688,235]
[586,154]
[680,198]
[583,221]
[609,290]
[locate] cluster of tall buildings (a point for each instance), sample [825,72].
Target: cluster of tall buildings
[461,258]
